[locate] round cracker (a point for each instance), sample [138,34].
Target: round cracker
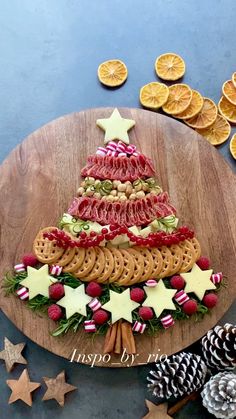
[66,257]
[148,262]
[189,256]
[45,250]
[128,270]
[108,266]
[177,255]
[98,266]
[167,262]
[77,260]
[197,247]
[118,264]
[157,261]
[138,266]
[88,263]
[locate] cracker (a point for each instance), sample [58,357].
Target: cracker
[197,247]
[66,257]
[177,254]
[108,266]
[98,266]
[128,270]
[148,262]
[167,262]
[157,261]
[138,266]
[118,264]
[45,250]
[77,260]
[88,263]
[189,256]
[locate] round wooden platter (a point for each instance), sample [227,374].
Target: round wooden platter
[40,177]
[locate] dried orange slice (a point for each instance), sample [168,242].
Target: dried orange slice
[154,95]
[194,108]
[229,91]
[179,99]
[232,146]
[218,132]
[170,66]
[205,117]
[112,73]
[227,109]
[234,79]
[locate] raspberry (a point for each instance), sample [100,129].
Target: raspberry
[54,312]
[137,294]
[29,260]
[146,313]
[56,291]
[210,300]
[93,289]
[100,316]
[203,263]
[177,282]
[190,307]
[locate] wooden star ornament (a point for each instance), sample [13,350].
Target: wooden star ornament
[116,127]
[12,354]
[22,388]
[156,411]
[57,388]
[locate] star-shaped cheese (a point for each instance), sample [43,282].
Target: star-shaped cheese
[120,306]
[116,127]
[38,281]
[74,301]
[159,298]
[198,281]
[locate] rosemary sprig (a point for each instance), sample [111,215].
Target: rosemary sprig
[66,324]
[11,282]
[39,303]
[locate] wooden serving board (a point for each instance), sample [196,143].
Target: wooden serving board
[40,177]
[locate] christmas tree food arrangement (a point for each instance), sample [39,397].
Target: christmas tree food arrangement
[118,264]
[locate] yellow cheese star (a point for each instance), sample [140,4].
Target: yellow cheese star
[159,298]
[116,127]
[38,281]
[120,306]
[74,301]
[198,281]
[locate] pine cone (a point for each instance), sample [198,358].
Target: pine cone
[219,395]
[177,375]
[219,348]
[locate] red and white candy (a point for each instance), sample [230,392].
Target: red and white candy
[181,297]
[217,278]
[20,267]
[121,147]
[139,327]
[122,155]
[89,326]
[151,283]
[101,151]
[167,321]
[23,293]
[112,146]
[95,304]
[55,270]
[112,153]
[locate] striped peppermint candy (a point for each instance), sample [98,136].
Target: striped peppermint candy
[136,153]
[89,326]
[217,278]
[20,267]
[112,146]
[121,147]
[139,327]
[101,151]
[151,283]
[167,321]
[130,149]
[112,153]
[23,293]
[95,304]
[122,154]
[181,297]
[55,270]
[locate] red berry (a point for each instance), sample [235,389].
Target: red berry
[54,312]
[100,316]
[104,230]
[210,300]
[92,234]
[137,294]
[93,289]
[29,260]
[83,235]
[100,237]
[190,307]
[56,291]
[146,313]
[123,230]
[203,263]
[177,282]
[113,227]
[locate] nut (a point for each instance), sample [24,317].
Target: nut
[132,196]
[80,191]
[140,194]
[121,187]
[129,190]
[123,198]
[113,192]
[116,183]
[97,195]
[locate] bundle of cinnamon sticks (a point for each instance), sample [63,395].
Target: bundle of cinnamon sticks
[119,337]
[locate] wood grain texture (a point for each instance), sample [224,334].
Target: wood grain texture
[40,177]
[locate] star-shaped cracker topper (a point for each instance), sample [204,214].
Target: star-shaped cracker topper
[57,388]
[120,306]
[22,388]
[74,301]
[38,281]
[116,127]
[156,411]
[159,298]
[12,354]
[198,281]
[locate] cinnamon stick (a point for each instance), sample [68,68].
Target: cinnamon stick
[181,403]
[118,342]
[128,342]
[110,339]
